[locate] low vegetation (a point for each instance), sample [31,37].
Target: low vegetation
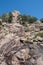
[23,19]
[39,34]
[6,17]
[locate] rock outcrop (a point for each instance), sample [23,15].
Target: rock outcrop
[15,14]
[20,45]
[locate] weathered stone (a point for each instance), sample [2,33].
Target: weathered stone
[41,45]
[15,61]
[23,54]
[19,45]
[15,14]
[40,61]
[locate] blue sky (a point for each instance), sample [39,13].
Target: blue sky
[32,7]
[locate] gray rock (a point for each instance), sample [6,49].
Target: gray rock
[40,61]
[23,54]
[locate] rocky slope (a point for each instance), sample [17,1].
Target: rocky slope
[20,45]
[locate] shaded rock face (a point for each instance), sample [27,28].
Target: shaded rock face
[23,54]
[15,61]
[40,61]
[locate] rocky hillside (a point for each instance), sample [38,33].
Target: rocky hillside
[21,45]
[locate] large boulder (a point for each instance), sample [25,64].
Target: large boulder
[23,54]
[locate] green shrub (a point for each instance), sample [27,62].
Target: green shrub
[32,20]
[10,17]
[5,17]
[25,19]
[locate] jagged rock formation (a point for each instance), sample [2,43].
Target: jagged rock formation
[20,45]
[15,14]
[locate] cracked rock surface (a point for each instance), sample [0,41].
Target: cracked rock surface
[19,47]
